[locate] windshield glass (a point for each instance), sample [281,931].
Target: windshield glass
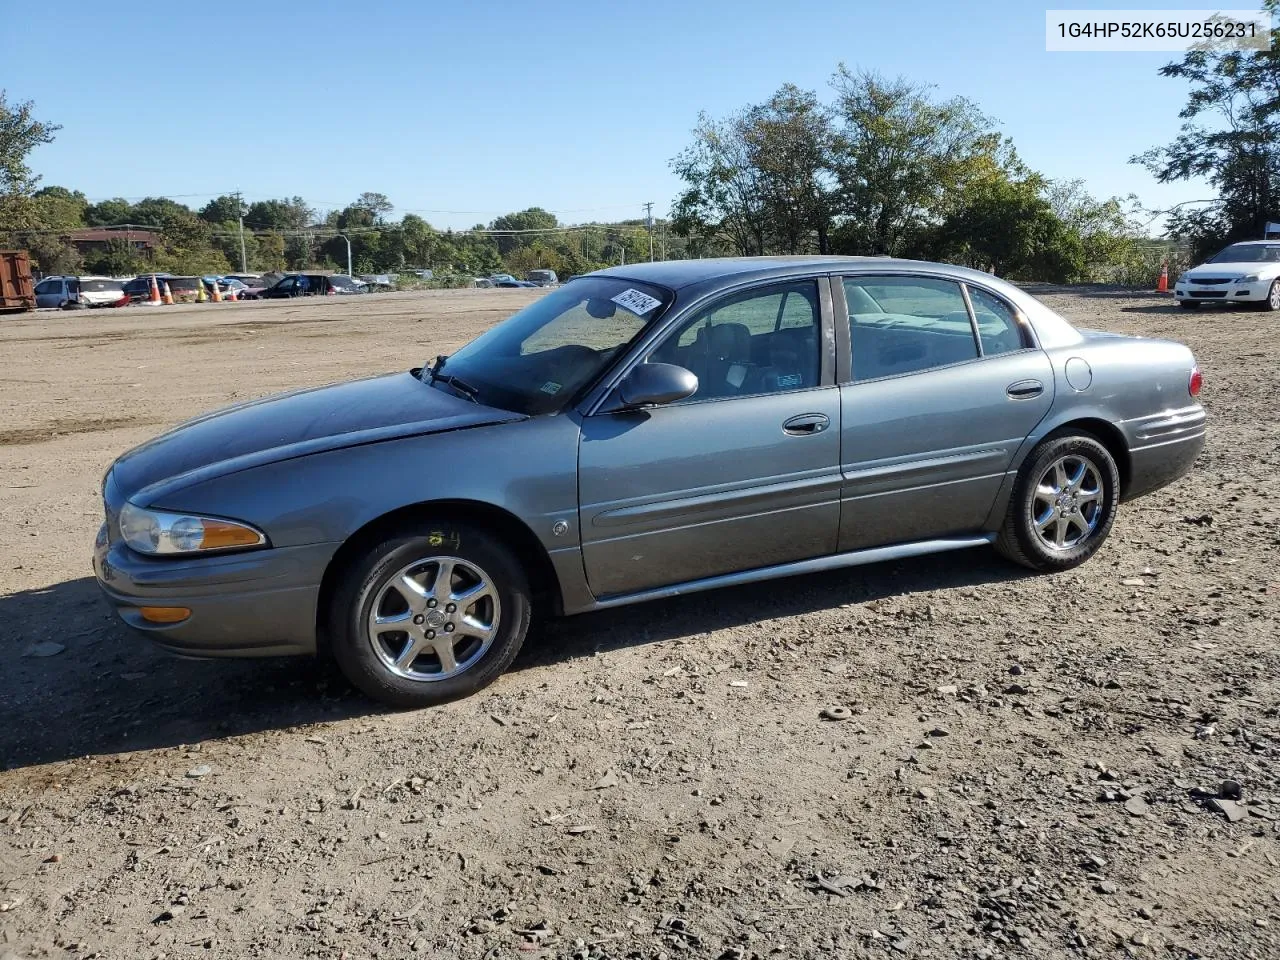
[1249,253]
[538,359]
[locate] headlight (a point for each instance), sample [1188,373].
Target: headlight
[1251,278]
[155,532]
[1183,278]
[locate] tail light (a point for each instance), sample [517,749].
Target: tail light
[332,291]
[1193,385]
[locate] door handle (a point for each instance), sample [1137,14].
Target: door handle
[806,424]
[1024,389]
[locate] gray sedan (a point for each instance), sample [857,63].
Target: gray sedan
[641,432]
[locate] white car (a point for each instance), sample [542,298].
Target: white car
[1247,272]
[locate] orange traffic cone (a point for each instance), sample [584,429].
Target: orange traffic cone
[154,299]
[168,297]
[231,294]
[217,294]
[1162,285]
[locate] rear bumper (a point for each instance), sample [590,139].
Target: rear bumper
[1163,448]
[262,603]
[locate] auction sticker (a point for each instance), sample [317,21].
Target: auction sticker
[635,301]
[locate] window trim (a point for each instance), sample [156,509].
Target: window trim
[1026,332]
[597,398]
[844,343]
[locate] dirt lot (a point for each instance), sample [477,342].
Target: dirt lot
[1033,766]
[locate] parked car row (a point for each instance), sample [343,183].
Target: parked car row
[534,278]
[70,293]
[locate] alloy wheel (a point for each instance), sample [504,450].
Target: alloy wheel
[1069,502]
[1274,300]
[434,619]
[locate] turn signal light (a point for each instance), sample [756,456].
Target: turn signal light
[1193,385]
[164,614]
[219,535]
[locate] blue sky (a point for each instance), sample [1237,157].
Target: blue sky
[479,109]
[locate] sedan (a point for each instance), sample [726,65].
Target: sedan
[1247,272]
[640,433]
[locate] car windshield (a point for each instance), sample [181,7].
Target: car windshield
[1249,253]
[101,286]
[345,282]
[537,360]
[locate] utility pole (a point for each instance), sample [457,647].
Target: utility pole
[348,239]
[648,219]
[244,260]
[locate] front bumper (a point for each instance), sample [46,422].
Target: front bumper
[1233,292]
[253,604]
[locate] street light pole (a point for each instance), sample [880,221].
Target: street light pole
[348,239]
[648,219]
[244,260]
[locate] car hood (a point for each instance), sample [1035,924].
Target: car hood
[1247,268]
[294,425]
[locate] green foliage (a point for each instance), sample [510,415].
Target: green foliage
[20,133]
[289,214]
[1230,136]
[108,213]
[534,218]
[119,258]
[888,168]
[223,210]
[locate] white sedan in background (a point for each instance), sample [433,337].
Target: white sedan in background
[1247,272]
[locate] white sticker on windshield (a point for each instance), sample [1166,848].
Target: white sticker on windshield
[635,301]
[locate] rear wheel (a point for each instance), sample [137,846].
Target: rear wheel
[1063,504]
[429,615]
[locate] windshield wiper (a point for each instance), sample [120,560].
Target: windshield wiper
[464,388]
[458,384]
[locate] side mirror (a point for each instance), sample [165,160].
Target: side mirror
[652,384]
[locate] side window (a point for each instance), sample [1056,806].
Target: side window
[903,325]
[998,326]
[764,340]
[45,287]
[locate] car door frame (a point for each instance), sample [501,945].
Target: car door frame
[597,400]
[845,365]
[605,386]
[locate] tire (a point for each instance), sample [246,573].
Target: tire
[1019,540]
[371,585]
[1272,303]
[1189,304]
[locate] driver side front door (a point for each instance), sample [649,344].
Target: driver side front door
[743,474]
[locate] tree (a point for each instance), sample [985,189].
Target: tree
[228,208]
[1006,225]
[1230,136]
[289,214]
[119,258]
[789,142]
[899,155]
[20,133]
[532,218]
[109,213]
[724,197]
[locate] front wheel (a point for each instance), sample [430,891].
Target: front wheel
[1272,302]
[429,614]
[1063,504]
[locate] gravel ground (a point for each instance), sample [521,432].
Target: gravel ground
[1079,765]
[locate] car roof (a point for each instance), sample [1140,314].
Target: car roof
[1254,243]
[677,274]
[693,279]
